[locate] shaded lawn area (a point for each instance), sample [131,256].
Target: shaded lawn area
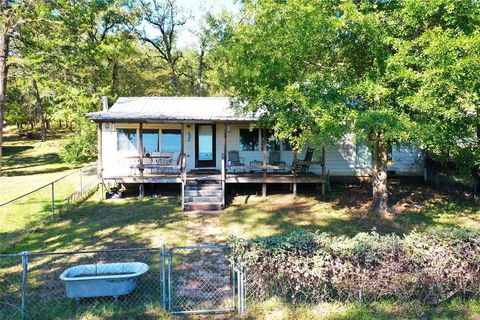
[28,164]
[151,222]
[345,211]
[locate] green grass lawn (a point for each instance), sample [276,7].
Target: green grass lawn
[153,221]
[28,164]
[276,309]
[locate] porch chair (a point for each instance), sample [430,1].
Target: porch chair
[235,160]
[255,166]
[171,165]
[304,165]
[274,159]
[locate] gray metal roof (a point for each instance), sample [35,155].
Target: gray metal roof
[170,109]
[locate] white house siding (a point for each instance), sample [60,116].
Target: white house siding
[341,160]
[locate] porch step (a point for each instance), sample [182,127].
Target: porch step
[205,187]
[203,192]
[202,181]
[211,177]
[203,206]
[209,186]
[203,199]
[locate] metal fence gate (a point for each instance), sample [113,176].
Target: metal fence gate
[179,280]
[198,279]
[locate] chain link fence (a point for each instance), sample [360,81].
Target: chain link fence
[201,280]
[29,211]
[84,284]
[116,283]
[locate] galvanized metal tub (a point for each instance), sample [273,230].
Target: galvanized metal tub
[102,280]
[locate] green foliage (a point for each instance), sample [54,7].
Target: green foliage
[78,51]
[81,147]
[407,69]
[304,267]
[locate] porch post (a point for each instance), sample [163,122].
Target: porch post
[323,169]
[224,162]
[140,152]
[182,145]
[264,169]
[225,142]
[182,148]
[295,161]
[100,162]
[183,166]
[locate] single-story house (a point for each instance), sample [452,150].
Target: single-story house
[202,144]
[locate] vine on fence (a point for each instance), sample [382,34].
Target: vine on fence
[305,267]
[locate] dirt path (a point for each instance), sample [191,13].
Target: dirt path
[205,228]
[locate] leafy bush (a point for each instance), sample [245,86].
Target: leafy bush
[304,267]
[81,147]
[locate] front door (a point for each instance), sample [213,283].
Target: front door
[205,145]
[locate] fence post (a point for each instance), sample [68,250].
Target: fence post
[239,293]
[164,289]
[241,289]
[24,282]
[170,282]
[244,295]
[53,199]
[233,285]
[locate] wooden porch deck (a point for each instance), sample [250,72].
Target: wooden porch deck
[273,177]
[205,189]
[229,178]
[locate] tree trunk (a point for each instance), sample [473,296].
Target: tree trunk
[173,77]
[4,44]
[476,168]
[19,128]
[201,64]
[114,81]
[379,174]
[43,130]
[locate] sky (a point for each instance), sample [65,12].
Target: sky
[194,10]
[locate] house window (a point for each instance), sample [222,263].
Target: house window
[171,140]
[150,141]
[287,146]
[126,139]
[272,145]
[249,139]
[363,155]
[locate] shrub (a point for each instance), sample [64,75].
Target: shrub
[81,147]
[305,267]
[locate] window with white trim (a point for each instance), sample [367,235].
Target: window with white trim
[126,139]
[363,154]
[249,140]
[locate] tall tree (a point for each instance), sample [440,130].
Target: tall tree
[205,34]
[13,14]
[165,17]
[321,70]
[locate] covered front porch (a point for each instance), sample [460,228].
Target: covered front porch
[269,166]
[201,153]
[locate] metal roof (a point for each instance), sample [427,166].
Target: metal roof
[170,109]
